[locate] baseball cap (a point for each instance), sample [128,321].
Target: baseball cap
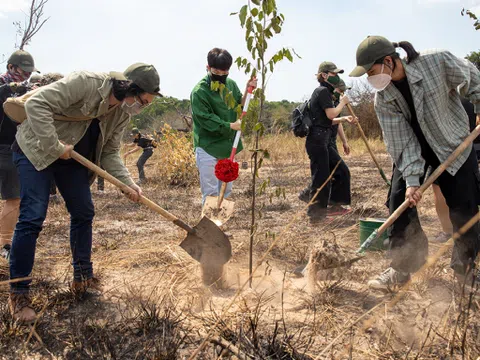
[145,76]
[370,50]
[22,59]
[342,86]
[328,66]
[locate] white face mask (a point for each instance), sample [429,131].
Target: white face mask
[134,109]
[380,81]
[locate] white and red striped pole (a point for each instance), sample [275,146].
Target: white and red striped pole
[235,142]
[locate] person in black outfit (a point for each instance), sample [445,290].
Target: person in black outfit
[324,115]
[141,142]
[340,187]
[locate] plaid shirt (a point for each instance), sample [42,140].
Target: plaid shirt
[437,79]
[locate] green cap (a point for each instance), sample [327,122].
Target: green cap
[145,76]
[135,131]
[370,50]
[342,86]
[24,60]
[328,66]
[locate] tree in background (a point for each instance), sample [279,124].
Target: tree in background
[469,13]
[34,21]
[474,58]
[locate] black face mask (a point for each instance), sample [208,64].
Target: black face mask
[219,78]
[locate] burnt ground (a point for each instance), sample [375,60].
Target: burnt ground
[154,305]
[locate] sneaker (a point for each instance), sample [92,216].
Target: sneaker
[338,211]
[442,237]
[21,309]
[5,251]
[304,195]
[80,288]
[389,279]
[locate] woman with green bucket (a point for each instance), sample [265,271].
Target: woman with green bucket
[419,109]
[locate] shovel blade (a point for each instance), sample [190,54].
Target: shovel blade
[219,215]
[207,243]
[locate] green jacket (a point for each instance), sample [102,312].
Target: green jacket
[212,118]
[80,95]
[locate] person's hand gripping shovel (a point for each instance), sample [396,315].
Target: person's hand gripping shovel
[218,209]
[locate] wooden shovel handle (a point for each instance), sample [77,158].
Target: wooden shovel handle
[127,189]
[459,150]
[365,140]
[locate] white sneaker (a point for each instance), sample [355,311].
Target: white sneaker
[389,279]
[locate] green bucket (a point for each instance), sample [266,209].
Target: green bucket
[367,227]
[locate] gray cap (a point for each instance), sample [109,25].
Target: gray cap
[23,60]
[328,66]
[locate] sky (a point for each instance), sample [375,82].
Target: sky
[175,36]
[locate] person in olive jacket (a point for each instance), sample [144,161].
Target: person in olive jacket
[95,109]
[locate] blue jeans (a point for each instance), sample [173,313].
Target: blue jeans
[72,181]
[209,184]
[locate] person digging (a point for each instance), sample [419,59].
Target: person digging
[146,143]
[423,121]
[99,107]
[20,66]
[214,124]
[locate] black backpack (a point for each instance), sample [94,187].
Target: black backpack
[302,120]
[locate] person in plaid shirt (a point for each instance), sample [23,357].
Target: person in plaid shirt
[423,121]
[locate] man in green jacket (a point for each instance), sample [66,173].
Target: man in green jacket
[214,124]
[86,112]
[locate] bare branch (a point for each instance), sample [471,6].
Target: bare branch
[33,23]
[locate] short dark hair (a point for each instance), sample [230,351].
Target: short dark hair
[219,59]
[124,88]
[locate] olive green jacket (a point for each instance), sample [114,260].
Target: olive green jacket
[81,96]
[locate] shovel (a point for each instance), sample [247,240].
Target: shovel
[406,204]
[215,208]
[205,242]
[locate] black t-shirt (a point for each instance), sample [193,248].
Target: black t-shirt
[472,117]
[8,127]
[143,142]
[320,101]
[87,145]
[427,153]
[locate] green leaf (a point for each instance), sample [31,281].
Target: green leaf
[254,12]
[254,53]
[282,16]
[257,126]
[248,68]
[250,43]
[258,26]
[243,14]
[277,28]
[271,66]
[248,27]
[266,154]
[254,72]
[256,2]
[288,54]
[234,13]
[260,163]
[268,33]
[260,15]
[270,6]
[238,61]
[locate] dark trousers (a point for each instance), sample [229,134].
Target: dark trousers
[100,183]
[340,193]
[72,181]
[408,243]
[317,150]
[147,153]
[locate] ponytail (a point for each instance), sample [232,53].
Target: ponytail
[412,54]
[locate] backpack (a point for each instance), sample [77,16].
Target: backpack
[302,120]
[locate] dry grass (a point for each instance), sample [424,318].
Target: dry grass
[154,306]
